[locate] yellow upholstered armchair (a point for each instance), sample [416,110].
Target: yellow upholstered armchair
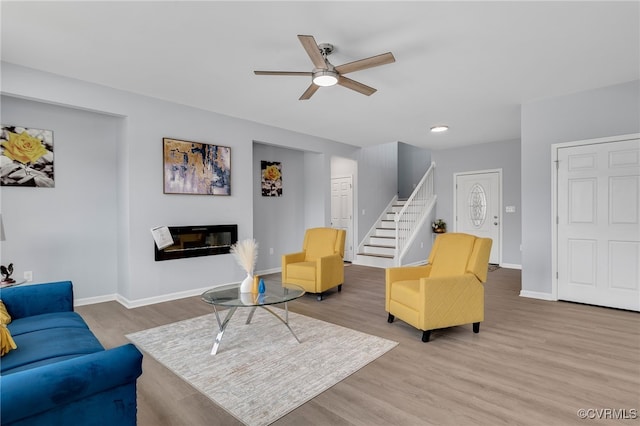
[319,266]
[447,291]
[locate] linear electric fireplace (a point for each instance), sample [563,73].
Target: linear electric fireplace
[193,241]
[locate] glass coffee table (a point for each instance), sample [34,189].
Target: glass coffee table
[229,296]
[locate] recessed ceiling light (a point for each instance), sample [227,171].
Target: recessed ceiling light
[437,129]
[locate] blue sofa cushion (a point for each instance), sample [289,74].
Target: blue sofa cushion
[94,389]
[49,346]
[30,300]
[45,322]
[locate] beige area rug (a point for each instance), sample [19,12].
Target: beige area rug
[261,372]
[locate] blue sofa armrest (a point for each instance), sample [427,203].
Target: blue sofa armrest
[28,300]
[30,394]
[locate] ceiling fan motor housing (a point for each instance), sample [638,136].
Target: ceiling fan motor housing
[325,49]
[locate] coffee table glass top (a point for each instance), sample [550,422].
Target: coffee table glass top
[229,295]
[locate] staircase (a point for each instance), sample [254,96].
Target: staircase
[380,247]
[386,242]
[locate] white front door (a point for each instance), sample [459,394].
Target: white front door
[342,211]
[477,208]
[598,247]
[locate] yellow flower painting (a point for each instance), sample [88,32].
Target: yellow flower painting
[272,172]
[271,178]
[26,157]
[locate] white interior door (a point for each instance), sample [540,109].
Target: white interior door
[342,211]
[598,248]
[477,208]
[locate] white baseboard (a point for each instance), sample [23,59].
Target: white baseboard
[537,295]
[269,271]
[93,300]
[511,266]
[130,304]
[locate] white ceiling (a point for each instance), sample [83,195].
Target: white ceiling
[469,65]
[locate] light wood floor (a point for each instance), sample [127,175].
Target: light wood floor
[533,363]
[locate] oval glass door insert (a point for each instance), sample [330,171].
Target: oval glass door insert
[477,205]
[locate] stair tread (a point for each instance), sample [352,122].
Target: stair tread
[379,246]
[386,256]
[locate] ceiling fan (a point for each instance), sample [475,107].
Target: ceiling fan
[325,74]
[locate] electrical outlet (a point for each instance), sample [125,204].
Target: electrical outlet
[28,275]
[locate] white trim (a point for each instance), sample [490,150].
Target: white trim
[537,295]
[554,222]
[269,271]
[620,138]
[500,207]
[510,266]
[554,196]
[94,300]
[129,304]
[417,263]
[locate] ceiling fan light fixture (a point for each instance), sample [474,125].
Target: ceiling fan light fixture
[325,74]
[439,128]
[325,78]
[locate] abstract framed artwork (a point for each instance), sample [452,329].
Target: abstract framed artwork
[196,168]
[271,172]
[26,157]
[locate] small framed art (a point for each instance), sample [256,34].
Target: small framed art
[271,172]
[26,157]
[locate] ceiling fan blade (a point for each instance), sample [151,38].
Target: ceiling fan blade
[309,92]
[374,61]
[354,85]
[301,73]
[310,45]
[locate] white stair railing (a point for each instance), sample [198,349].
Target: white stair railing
[413,212]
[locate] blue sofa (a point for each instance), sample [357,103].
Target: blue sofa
[60,374]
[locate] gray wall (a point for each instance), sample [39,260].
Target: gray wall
[377,183]
[608,111]
[133,169]
[278,222]
[93,227]
[69,231]
[413,163]
[497,155]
